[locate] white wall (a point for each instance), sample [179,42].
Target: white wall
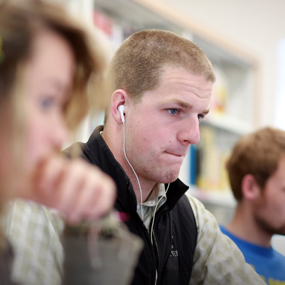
[83,10]
[252,24]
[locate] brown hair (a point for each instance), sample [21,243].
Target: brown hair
[20,23]
[139,62]
[258,154]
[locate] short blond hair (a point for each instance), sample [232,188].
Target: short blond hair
[257,154]
[139,62]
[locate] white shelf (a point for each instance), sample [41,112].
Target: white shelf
[229,124]
[218,198]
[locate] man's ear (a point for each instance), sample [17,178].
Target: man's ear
[119,97]
[250,188]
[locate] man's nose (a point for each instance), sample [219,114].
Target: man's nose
[190,132]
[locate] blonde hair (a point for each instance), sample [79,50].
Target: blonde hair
[20,22]
[258,154]
[139,62]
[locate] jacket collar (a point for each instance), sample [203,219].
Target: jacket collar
[97,151]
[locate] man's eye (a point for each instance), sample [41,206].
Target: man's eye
[46,103]
[173,111]
[200,117]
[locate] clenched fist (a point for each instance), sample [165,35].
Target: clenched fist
[75,188]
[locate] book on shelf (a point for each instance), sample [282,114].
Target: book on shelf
[219,98]
[208,162]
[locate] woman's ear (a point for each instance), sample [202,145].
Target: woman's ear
[250,188]
[119,97]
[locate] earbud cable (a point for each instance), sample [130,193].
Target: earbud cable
[124,148]
[153,218]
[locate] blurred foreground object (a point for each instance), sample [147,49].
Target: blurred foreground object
[103,252]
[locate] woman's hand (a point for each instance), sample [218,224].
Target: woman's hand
[76,188]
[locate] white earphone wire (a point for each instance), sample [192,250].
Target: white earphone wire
[124,149]
[151,231]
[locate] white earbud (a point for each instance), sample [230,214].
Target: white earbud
[121,109]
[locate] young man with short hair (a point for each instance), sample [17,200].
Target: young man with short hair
[162,84]
[256,170]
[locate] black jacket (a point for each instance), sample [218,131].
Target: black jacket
[175,231]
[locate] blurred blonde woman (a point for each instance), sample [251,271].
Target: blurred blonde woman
[47,63]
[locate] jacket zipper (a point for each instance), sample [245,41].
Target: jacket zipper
[157,254]
[156,251]
[151,251]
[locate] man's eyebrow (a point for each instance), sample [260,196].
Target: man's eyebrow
[178,102]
